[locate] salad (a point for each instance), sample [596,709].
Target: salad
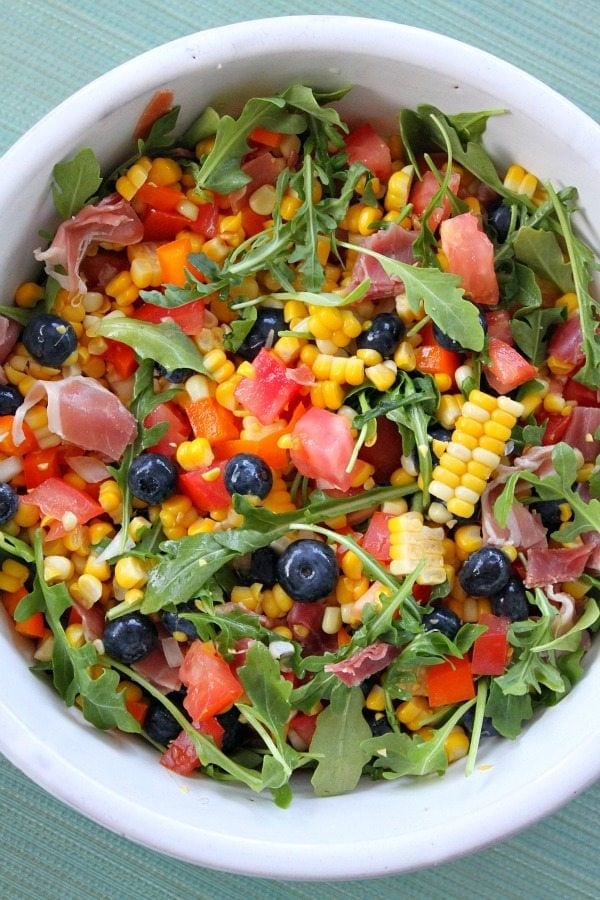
[300,429]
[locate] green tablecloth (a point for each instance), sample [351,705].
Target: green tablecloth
[48,48]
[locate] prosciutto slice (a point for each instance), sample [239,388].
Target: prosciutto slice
[9,332]
[584,421]
[364,663]
[112,219]
[82,412]
[264,168]
[395,242]
[555,565]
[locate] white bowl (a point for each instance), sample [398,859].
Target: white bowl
[380,828]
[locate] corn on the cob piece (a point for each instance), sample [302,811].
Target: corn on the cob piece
[477,445]
[410,542]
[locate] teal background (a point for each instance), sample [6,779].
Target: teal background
[48,49]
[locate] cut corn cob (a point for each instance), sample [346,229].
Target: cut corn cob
[478,442]
[410,542]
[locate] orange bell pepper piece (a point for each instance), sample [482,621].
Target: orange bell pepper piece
[211,420]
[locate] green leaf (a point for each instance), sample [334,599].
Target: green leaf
[507,711]
[541,251]
[530,329]
[74,182]
[264,684]
[337,743]
[22,316]
[204,126]
[102,704]
[165,342]
[443,300]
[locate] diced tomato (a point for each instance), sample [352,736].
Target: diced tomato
[252,222]
[566,342]
[376,540]
[180,756]
[40,465]
[470,255]
[99,269]
[121,357]
[385,454]
[7,444]
[160,196]
[364,145]
[322,446]
[450,682]
[304,621]
[270,391]
[489,655]
[55,497]
[303,726]
[422,193]
[212,686]
[162,226]
[556,428]
[189,317]
[207,221]
[421,592]
[211,420]
[206,487]
[498,325]
[211,727]
[582,395]
[507,369]
[178,427]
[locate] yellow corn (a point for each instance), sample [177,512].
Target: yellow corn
[414,713]
[375,699]
[569,301]
[194,454]
[122,289]
[127,185]
[383,375]
[28,294]
[339,369]
[398,189]
[520,181]
[217,364]
[480,436]
[456,745]
[331,324]
[130,572]
[404,357]
[327,395]
[467,539]
[57,568]
[411,541]
[164,171]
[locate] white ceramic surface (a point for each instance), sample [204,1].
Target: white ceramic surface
[115,780]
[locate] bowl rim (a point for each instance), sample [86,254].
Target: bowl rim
[76,787]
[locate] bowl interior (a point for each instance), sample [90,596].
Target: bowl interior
[116,780]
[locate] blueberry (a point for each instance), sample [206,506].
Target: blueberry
[487,729]
[549,513]
[485,572]
[449,343]
[176,623]
[511,600]
[175,376]
[9,502]
[307,570]
[49,339]
[443,620]
[377,722]
[130,637]
[152,477]
[262,568]
[383,335]
[236,732]
[160,724]
[264,332]
[248,474]
[498,218]
[10,399]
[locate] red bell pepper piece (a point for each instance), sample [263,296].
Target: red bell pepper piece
[450,682]
[489,655]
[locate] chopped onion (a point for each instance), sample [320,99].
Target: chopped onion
[172,651]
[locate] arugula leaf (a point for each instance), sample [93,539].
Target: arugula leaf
[22,316]
[443,300]
[338,743]
[74,182]
[402,754]
[541,251]
[555,486]
[220,171]
[427,127]
[165,342]
[185,565]
[583,263]
[268,712]
[507,711]
[205,125]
